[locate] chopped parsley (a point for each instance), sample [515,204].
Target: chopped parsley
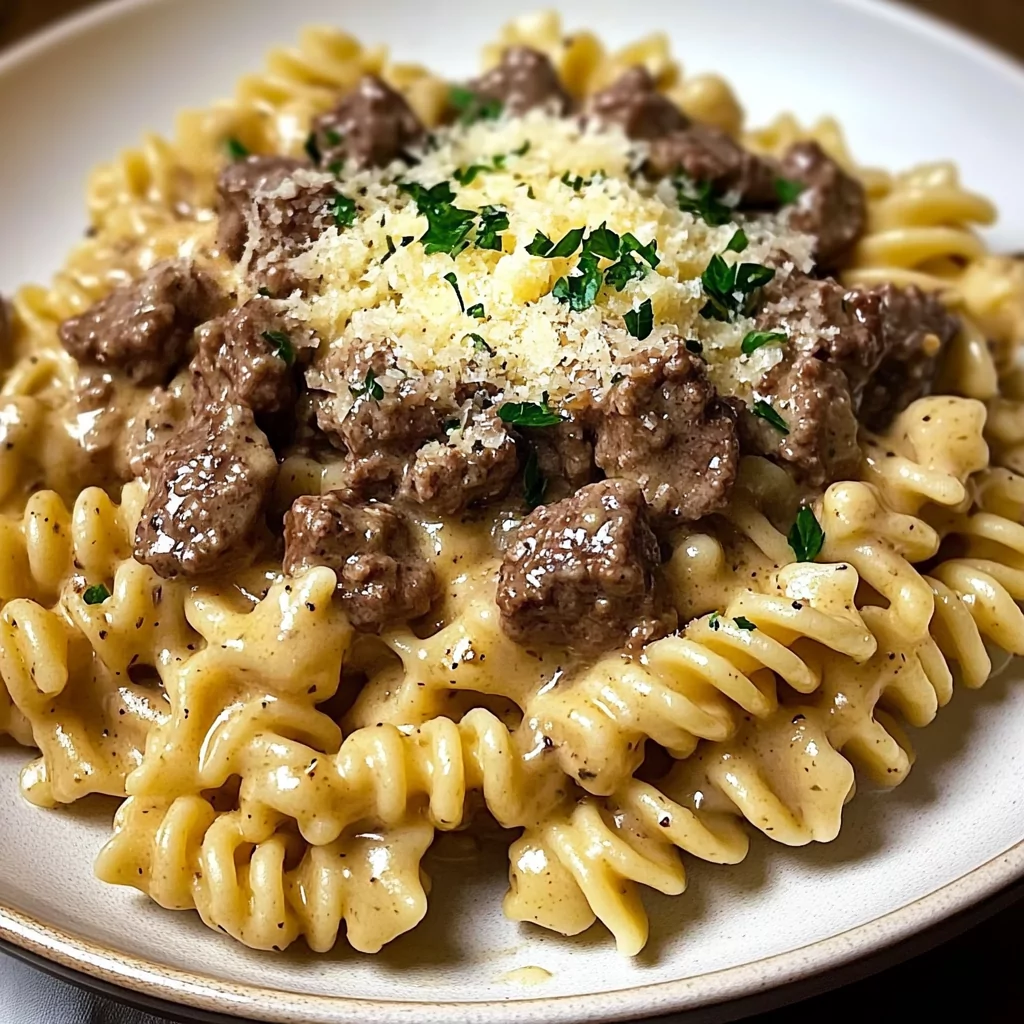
[730,288]
[391,249]
[283,348]
[447,226]
[629,268]
[769,415]
[344,210]
[578,182]
[454,282]
[477,310]
[522,150]
[755,339]
[96,594]
[640,322]
[700,200]
[471,107]
[649,252]
[694,346]
[788,191]
[493,220]
[370,388]
[332,136]
[263,292]
[581,287]
[534,482]
[744,623]
[529,414]
[312,148]
[738,242]
[604,242]
[335,167]
[479,345]
[567,244]
[806,537]
[237,149]
[541,245]
[713,621]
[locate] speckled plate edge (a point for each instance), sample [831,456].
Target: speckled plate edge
[86,960]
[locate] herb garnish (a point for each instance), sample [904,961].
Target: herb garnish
[604,242]
[541,245]
[335,167]
[454,282]
[370,388]
[713,621]
[806,537]
[96,594]
[581,287]
[700,200]
[344,210]
[769,415]
[237,149]
[567,244]
[477,310]
[447,225]
[312,148]
[788,191]
[480,345]
[534,482]
[729,288]
[263,292]
[755,339]
[640,322]
[283,348]
[529,414]
[694,346]
[391,249]
[649,252]
[472,107]
[744,623]
[493,220]
[738,242]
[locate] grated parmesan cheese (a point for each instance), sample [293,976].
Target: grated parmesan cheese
[360,295]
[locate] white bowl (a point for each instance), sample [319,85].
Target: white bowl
[907,90]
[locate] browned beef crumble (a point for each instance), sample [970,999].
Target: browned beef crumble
[382,578]
[632,102]
[207,493]
[833,206]
[583,572]
[565,455]
[473,466]
[238,184]
[523,80]
[241,357]
[664,426]
[143,328]
[371,127]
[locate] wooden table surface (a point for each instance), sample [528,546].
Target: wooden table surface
[981,972]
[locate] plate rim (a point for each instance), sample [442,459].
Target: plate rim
[109,966]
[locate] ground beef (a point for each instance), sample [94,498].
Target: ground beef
[380,431]
[634,104]
[524,79]
[371,127]
[247,357]
[664,426]
[707,155]
[565,456]
[287,207]
[833,205]
[813,397]
[582,572]
[238,184]
[382,578]
[207,493]
[142,329]
[914,327]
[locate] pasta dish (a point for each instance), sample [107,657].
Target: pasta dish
[395,456]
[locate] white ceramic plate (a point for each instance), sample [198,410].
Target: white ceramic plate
[908,90]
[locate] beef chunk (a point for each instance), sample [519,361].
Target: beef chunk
[664,426]
[524,79]
[371,127]
[582,572]
[289,206]
[476,464]
[143,328]
[242,357]
[149,431]
[207,493]
[707,155]
[378,415]
[813,397]
[381,576]
[833,205]
[634,104]
[238,184]
[565,456]
[913,328]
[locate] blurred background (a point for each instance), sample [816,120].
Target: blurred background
[999,21]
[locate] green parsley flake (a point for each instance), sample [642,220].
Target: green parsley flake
[534,482]
[701,201]
[694,346]
[580,288]
[332,136]
[529,414]
[567,244]
[237,149]
[738,242]
[649,252]
[344,210]
[806,537]
[788,191]
[522,150]
[335,167]
[471,107]
[454,282]
[730,288]
[604,242]
[96,594]
[283,348]
[493,220]
[629,268]
[744,623]
[391,249]
[312,148]
[480,345]
[713,621]
[756,339]
[541,245]
[370,388]
[447,226]
[477,310]
[769,415]
[640,322]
